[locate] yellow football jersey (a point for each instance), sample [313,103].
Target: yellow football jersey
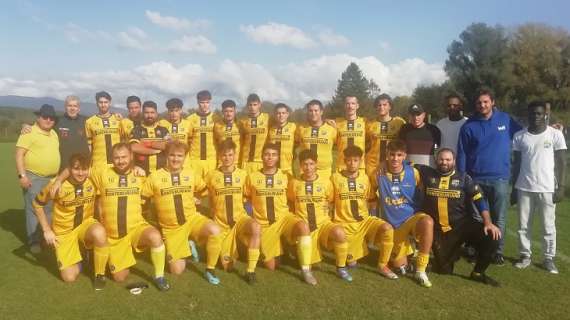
[321,140]
[228,131]
[378,135]
[268,196]
[254,134]
[173,195]
[226,196]
[72,204]
[102,134]
[202,137]
[350,133]
[147,134]
[284,137]
[351,197]
[120,199]
[177,131]
[311,199]
[125,128]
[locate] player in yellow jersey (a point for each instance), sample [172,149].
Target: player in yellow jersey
[351,131]
[134,117]
[352,191]
[178,127]
[254,129]
[311,195]
[266,189]
[379,132]
[148,140]
[202,151]
[119,203]
[102,131]
[282,133]
[172,192]
[227,128]
[225,187]
[73,223]
[318,136]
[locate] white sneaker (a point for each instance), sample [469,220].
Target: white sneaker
[550,266]
[523,262]
[423,279]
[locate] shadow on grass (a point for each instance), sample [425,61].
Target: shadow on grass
[14,221]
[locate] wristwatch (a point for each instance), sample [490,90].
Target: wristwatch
[20,176]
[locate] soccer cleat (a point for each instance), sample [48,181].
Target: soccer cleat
[523,262]
[309,278]
[484,279]
[99,282]
[387,273]
[195,255]
[499,260]
[35,248]
[211,277]
[422,279]
[250,278]
[550,266]
[402,270]
[343,274]
[161,283]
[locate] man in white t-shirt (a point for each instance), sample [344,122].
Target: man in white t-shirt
[450,126]
[540,162]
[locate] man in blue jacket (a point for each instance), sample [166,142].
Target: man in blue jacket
[484,152]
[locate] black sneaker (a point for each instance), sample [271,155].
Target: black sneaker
[499,260]
[250,278]
[484,279]
[162,284]
[99,282]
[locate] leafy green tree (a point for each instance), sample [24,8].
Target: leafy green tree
[353,83]
[432,97]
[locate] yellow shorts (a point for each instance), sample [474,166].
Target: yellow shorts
[232,236]
[67,252]
[402,245]
[202,167]
[360,234]
[320,240]
[121,250]
[250,167]
[176,239]
[271,236]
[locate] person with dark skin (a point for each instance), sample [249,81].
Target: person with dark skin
[539,173]
[451,125]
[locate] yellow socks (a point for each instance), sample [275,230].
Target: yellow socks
[304,251]
[341,252]
[100,258]
[385,244]
[422,261]
[213,248]
[252,258]
[158,259]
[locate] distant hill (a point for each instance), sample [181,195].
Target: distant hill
[87,108]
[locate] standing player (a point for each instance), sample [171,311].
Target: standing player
[202,149]
[102,131]
[311,196]
[379,133]
[228,129]
[398,188]
[351,131]
[351,193]
[178,128]
[134,118]
[225,187]
[73,223]
[119,201]
[318,136]
[254,131]
[172,192]
[282,134]
[266,189]
[148,140]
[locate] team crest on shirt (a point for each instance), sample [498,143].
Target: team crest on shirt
[319,189]
[89,189]
[324,132]
[547,144]
[432,180]
[358,125]
[238,179]
[455,183]
[360,186]
[279,182]
[186,178]
[133,180]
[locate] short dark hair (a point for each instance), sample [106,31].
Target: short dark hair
[133,99]
[102,94]
[383,96]
[281,106]
[174,103]
[228,104]
[457,96]
[204,95]
[352,151]
[536,103]
[253,97]
[226,145]
[271,146]
[397,145]
[445,150]
[314,102]
[81,159]
[175,145]
[486,92]
[119,146]
[308,154]
[149,104]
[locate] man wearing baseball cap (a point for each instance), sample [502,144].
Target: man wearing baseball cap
[420,137]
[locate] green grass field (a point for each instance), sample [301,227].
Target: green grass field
[30,287]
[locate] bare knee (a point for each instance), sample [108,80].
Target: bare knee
[177,267]
[254,228]
[271,264]
[70,274]
[121,276]
[386,227]
[338,234]
[426,222]
[302,229]
[213,229]
[99,235]
[154,238]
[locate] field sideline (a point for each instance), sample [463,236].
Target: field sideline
[30,287]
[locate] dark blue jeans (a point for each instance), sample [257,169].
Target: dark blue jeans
[497,193]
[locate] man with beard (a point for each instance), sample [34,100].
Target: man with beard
[148,140]
[134,118]
[450,126]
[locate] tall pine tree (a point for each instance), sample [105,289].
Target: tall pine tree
[352,83]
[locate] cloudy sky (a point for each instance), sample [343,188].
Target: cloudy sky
[290,51]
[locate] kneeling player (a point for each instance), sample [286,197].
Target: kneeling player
[397,186]
[352,191]
[172,191]
[311,196]
[266,189]
[119,201]
[225,188]
[73,223]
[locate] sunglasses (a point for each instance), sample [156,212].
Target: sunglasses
[48,118]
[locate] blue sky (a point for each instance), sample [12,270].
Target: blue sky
[287,51]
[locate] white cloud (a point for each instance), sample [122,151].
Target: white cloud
[198,44]
[77,34]
[331,39]
[293,83]
[133,38]
[174,23]
[279,35]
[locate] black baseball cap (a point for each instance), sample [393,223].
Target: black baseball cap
[416,109]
